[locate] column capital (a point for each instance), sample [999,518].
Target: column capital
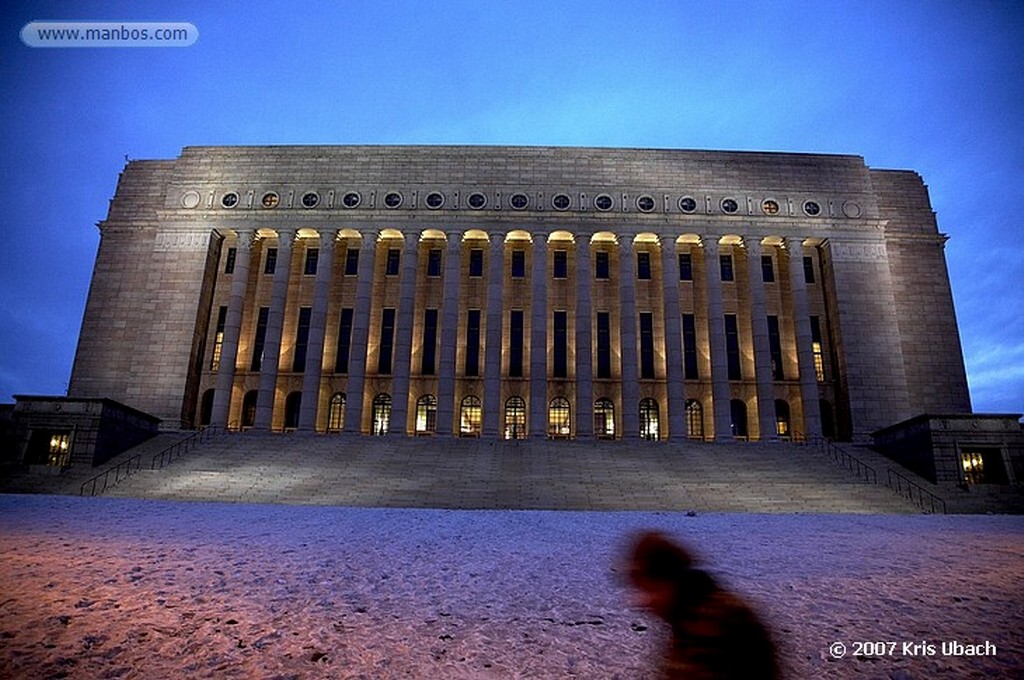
[793,243]
[328,237]
[710,244]
[286,238]
[245,238]
[753,246]
[668,241]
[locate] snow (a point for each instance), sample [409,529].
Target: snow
[124,588]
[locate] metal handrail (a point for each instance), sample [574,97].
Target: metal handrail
[913,488]
[173,452]
[845,459]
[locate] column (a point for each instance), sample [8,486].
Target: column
[404,324]
[539,338]
[673,340]
[762,350]
[716,337]
[492,351]
[449,336]
[317,326]
[275,324]
[627,342]
[804,350]
[360,334]
[232,329]
[584,341]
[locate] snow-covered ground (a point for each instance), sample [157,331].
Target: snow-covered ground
[112,588]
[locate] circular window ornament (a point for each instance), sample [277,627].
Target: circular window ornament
[729,205]
[688,204]
[310,199]
[351,199]
[603,202]
[392,199]
[270,200]
[477,201]
[645,203]
[770,207]
[434,200]
[229,200]
[519,201]
[560,201]
[851,210]
[190,199]
[812,208]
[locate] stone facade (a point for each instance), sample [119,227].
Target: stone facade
[522,291]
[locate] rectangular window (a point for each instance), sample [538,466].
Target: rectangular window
[646,345]
[604,346]
[260,339]
[643,266]
[518,264]
[301,340]
[816,349]
[387,341]
[767,269]
[808,270]
[775,347]
[394,258]
[429,341]
[352,262]
[270,264]
[560,348]
[344,341]
[732,347]
[312,258]
[515,344]
[476,262]
[229,261]
[560,265]
[473,343]
[685,267]
[434,262]
[218,338]
[601,267]
[725,266]
[690,347]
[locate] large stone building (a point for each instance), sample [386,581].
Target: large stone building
[522,291]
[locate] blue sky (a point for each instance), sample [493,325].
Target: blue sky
[937,87]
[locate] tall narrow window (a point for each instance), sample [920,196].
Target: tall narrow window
[782,418]
[381,414]
[426,414]
[387,341]
[301,340]
[694,419]
[767,269]
[560,348]
[604,346]
[344,341]
[476,262]
[738,418]
[808,270]
[249,408]
[515,348]
[473,343]
[515,418]
[470,417]
[560,264]
[725,267]
[518,264]
[601,267]
[690,347]
[270,264]
[604,419]
[292,406]
[429,341]
[229,261]
[816,349]
[312,259]
[434,262]
[685,267]
[643,265]
[558,418]
[218,338]
[775,348]
[646,345]
[352,262]
[260,339]
[649,420]
[732,347]
[393,261]
[336,412]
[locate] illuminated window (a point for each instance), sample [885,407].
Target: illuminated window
[381,414]
[816,349]
[649,422]
[426,414]
[336,412]
[604,419]
[694,419]
[515,418]
[983,466]
[218,338]
[59,450]
[470,416]
[558,418]
[782,418]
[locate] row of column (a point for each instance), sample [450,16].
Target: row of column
[538,342]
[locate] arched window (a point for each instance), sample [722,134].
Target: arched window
[381,414]
[426,414]
[738,416]
[292,404]
[206,408]
[828,420]
[694,419]
[249,408]
[604,419]
[470,415]
[782,418]
[336,412]
[558,418]
[515,418]
[649,425]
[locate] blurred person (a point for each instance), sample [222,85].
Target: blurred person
[714,633]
